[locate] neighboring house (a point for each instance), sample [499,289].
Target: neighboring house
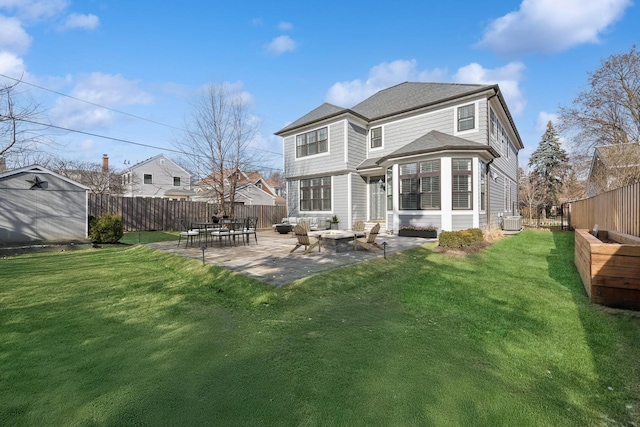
[413,154]
[613,166]
[158,176]
[41,205]
[251,189]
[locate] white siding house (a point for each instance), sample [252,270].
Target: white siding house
[158,176]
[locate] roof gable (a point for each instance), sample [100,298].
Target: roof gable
[409,96]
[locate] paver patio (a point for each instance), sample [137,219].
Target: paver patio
[270,261]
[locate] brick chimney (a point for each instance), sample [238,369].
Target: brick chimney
[105,163]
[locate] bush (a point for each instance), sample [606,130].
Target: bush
[458,239]
[106,229]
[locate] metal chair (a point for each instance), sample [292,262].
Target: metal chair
[186,232]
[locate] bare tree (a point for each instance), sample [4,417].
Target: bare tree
[608,111]
[219,135]
[614,166]
[91,174]
[528,191]
[20,130]
[574,185]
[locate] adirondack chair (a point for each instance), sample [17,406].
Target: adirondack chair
[369,243]
[305,240]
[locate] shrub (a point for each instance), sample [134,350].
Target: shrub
[458,239]
[106,229]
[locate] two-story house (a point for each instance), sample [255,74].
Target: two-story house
[414,154]
[158,176]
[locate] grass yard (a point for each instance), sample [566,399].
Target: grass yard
[124,335]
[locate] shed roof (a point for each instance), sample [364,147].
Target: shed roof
[40,170]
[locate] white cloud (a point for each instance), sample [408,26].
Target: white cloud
[13,37]
[107,90]
[544,118]
[11,65]
[34,9]
[549,26]
[508,77]
[386,74]
[281,45]
[76,20]
[285,26]
[381,76]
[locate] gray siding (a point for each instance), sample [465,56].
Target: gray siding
[358,198]
[340,205]
[56,213]
[357,145]
[398,134]
[461,222]
[322,164]
[293,197]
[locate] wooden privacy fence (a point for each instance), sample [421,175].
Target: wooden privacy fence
[616,210]
[141,214]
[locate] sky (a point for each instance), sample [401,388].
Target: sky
[124,74]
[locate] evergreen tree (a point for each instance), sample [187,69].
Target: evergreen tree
[549,164]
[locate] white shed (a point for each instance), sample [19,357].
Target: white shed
[37,204]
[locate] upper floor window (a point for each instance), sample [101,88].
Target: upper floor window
[313,142]
[376,137]
[466,117]
[315,194]
[420,185]
[176,181]
[148,179]
[461,184]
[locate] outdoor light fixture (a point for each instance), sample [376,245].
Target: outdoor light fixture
[202,248]
[384,247]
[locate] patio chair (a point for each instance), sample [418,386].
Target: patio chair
[222,232]
[370,242]
[186,232]
[358,229]
[305,240]
[305,225]
[250,228]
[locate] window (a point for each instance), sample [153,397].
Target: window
[389,189]
[466,117]
[176,181]
[315,194]
[376,137]
[310,143]
[420,185]
[461,184]
[148,179]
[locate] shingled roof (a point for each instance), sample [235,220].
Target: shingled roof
[397,99]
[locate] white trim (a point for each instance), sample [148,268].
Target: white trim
[475,195]
[446,198]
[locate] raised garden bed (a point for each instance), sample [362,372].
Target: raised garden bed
[610,272]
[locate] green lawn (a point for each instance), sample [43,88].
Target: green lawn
[124,335]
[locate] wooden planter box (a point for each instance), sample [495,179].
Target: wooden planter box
[426,234]
[610,272]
